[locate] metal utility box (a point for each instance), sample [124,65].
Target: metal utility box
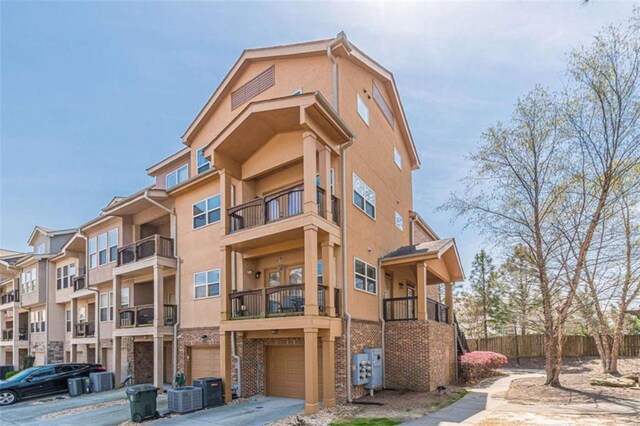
[360,369]
[376,358]
[185,399]
[102,381]
[75,386]
[211,391]
[142,402]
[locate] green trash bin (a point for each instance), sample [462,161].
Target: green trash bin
[142,401]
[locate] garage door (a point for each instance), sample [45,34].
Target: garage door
[204,362]
[285,371]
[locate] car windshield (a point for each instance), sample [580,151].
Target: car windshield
[21,375]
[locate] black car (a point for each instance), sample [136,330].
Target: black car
[43,380]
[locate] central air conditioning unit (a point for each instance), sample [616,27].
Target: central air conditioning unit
[102,381]
[185,399]
[211,391]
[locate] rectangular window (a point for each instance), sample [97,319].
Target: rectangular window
[28,281]
[273,278]
[296,275]
[102,249]
[177,176]
[206,212]
[72,273]
[106,306]
[93,252]
[399,221]
[363,109]
[124,297]
[320,269]
[397,158]
[65,275]
[364,197]
[207,284]
[37,323]
[40,248]
[58,278]
[113,245]
[67,315]
[365,276]
[203,163]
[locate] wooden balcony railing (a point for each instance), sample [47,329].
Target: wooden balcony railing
[275,207]
[85,329]
[399,308]
[437,311]
[155,245]
[275,301]
[143,316]
[7,335]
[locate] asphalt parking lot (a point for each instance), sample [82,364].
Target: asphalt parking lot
[112,408]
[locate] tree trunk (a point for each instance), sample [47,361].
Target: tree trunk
[553,357]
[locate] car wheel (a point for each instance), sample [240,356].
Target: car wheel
[8,397]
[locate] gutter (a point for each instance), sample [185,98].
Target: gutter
[174,233]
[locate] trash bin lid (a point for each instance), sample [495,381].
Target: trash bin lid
[141,388]
[75,379]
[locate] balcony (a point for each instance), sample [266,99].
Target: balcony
[143,316]
[7,335]
[405,309]
[80,282]
[155,245]
[275,207]
[10,297]
[85,329]
[277,301]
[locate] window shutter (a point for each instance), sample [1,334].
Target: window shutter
[254,87]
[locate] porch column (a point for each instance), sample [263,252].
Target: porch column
[310,370]
[311,270]
[158,296]
[225,200]
[324,156]
[74,353]
[15,355]
[158,362]
[309,172]
[117,359]
[448,300]
[421,290]
[225,364]
[328,277]
[117,301]
[225,282]
[74,316]
[328,371]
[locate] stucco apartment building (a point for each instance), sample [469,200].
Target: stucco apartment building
[278,242]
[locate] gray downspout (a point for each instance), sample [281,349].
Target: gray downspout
[174,233]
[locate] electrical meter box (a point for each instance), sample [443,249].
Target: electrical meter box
[376,359]
[360,369]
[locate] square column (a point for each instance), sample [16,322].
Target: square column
[158,296]
[74,353]
[117,301]
[328,276]
[309,172]
[311,405]
[225,365]
[328,371]
[158,362]
[225,282]
[448,300]
[421,290]
[74,317]
[324,157]
[310,270]
[117,359]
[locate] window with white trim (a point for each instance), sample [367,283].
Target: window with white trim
[177,176]
[202,163]
[206,211]
[102,249]
[40,248]
[363,109]
[320,269]
[65,275]
[207,283]
[37,322]
[399,221]
[331,181]
[28,281]
[365,276]
[67,319]
[106,306]
[93,252]
[364,197]
[113,245]
[397,158]
[124,297]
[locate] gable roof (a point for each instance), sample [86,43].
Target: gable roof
[47,232]
[339,46]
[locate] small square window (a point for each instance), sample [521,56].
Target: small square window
[363,109]
[202,162]
[397,158]
[399,221]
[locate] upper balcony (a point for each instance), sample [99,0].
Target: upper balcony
[405,309]
[278,206]
[10,297]
[144,253]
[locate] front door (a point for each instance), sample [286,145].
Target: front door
[411,304]
[388,286]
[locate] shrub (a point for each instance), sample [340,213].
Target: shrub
[10,373]
[480,364]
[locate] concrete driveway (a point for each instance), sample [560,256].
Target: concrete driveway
[112,408]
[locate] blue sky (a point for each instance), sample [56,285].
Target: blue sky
[91,94]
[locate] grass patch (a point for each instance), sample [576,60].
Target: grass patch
[366,421]
[457,396]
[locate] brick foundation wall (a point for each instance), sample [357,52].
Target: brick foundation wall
[55,352]
[364,335]
[442,356]
[407,361]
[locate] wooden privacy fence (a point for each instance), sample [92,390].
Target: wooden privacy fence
[532,345]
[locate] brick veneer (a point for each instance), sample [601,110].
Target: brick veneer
[55,352]
[364,335]
[442,355]
[143,362]
[195,336]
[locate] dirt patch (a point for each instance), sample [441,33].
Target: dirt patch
[398,405]
[530,419]
[576,388]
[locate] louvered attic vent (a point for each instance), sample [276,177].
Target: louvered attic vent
[253,87]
